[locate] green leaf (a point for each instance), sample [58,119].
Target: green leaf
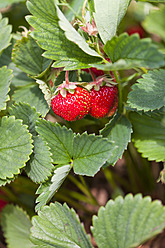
[59,139]
[52,38]
[155,23]
[3,182]
[128,222]
[5,3]
[149,135]
[39,166]
[90,152]
[58,226]
[35,63]
[15,146]
[32,95]
[118,131]
[16,227]
[108,15]
[134,52]
[5,33]
[72,35]
[47,190]
[26,113]
[149,92]
[19,77]
[46,91]
[5,80]
[76,6]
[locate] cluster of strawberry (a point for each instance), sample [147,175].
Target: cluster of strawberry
[72,102]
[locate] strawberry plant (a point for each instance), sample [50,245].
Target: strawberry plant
[82,92]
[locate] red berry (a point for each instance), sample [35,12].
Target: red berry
[103,101]
[136,30]
[74,106]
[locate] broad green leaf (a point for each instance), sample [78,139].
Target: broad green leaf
[32,95]
[16,227]
[59,139]
[35,63]
[108,15]
[149,92]
[5,33]
[26,113]
[128,222]
[5,80]
[58,226]
[15,146]
[19,77]
[149,135]
[118,131]
[155,22]
[90,152]
[72,35]
[5,3]
[52,38]
[47,190]
[134,52]
[39,166]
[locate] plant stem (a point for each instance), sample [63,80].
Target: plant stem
[120,105]
[67,77]
[89,192]
[92,74]
[83,11]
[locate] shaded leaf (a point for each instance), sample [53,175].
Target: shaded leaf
[5,33]
[149,135]
[19,77]
[15,146]
[5,80]
[52,38]
[5,3]
[128,222]
[118,131]
[59,139]
[131,51]
[16,227]
[39,166]
[149,92]
[32,95]
[155,22]
[58,226]
[47,190]
[108,15]
[35,63]
[90,152]
[26,113]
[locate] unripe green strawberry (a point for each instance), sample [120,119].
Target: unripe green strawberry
[104,101]
[74,106]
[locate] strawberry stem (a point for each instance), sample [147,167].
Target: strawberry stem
[120,104]
[83,11]
[67,77]
[92,74]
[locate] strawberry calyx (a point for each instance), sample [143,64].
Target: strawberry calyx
[65,87]
[102,81]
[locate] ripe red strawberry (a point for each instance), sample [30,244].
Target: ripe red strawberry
[74,106]
[136,30]
[104,101]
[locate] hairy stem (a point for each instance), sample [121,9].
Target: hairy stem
[67,77]
[120,105]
